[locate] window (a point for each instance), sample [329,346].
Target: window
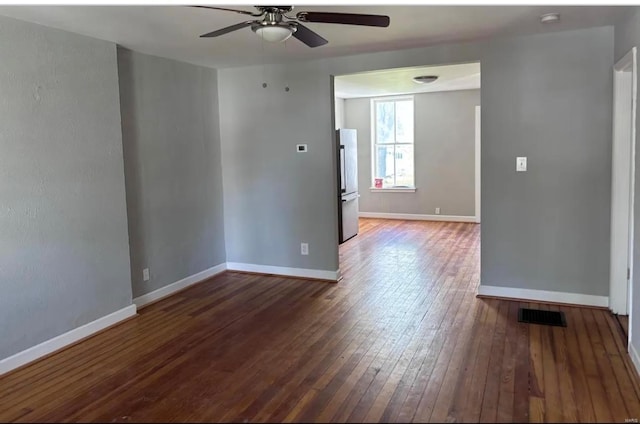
[393,142]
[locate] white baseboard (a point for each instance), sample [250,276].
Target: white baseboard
[635,358]
[172,288]
[544,296]
[169,289]
[417,217]
[289,272]
[63,340]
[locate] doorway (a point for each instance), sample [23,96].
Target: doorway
[418,142]
[622,185]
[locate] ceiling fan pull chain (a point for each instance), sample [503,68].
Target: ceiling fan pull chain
[264,80]
[286,73]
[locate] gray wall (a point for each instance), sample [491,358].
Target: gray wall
[444,155]
[173,170]
[545,96]
[274,197]
[64,257]
[627,36]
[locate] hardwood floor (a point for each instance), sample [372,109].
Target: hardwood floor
[401,338]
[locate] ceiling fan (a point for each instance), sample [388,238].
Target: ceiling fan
[274,24]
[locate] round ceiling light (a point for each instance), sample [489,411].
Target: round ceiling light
[548,18]
[425,79]
[274,33]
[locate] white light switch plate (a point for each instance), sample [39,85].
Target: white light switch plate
[521,164]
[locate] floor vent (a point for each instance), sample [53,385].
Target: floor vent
[535,316]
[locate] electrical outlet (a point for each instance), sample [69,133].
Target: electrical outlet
[437,211]
[145,274]
[304,248]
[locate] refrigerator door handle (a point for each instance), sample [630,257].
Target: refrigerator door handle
[343,183]
[350,197]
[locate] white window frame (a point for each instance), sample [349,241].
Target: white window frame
[374,144]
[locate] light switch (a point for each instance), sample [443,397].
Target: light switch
[521,164]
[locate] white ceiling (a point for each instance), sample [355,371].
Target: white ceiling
[464,76]
[172,31]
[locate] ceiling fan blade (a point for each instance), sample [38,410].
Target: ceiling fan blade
[308,37]
[244,12]
[227,29]
[344,18]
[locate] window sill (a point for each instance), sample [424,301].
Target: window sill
[393,190]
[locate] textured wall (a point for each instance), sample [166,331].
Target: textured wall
[549,99]
[274,197]
[64,257]
[444,155]
[173,170]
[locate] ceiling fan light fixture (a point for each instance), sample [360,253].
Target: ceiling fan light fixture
[274,33]
[425,79]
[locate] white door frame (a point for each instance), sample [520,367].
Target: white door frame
[477,166]
[622,183]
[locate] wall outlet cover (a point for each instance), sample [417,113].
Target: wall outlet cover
[304,248]
[521,164]
[145,274]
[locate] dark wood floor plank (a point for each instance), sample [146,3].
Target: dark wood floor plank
[601,406]
[506,393]
[453,404]
[574,368]
[489,411]
[563,371]
[433,395]
[438,370]
[536,376]
[436,320]
[605,366]
[474,397]
[400,338]
[421,370]
[522,373]
[552,400]
[616,352]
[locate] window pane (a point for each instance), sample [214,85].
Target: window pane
[385,165]
[404,121]
[404,166]
[385,122]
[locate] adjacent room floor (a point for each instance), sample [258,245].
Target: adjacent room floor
[401,338]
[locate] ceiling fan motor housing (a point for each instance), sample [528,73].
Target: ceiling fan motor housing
[275,9]
[272,27]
